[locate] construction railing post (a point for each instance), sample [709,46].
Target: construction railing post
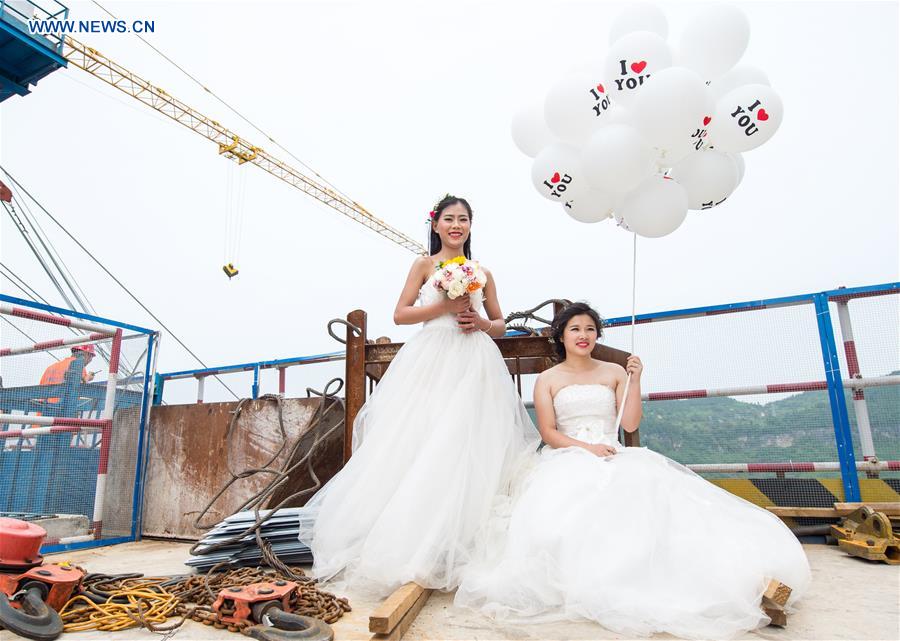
[158,384]
[281,380]
[109,409]
[863,425]
[839,417]
[201,383]
[354,376]
[256,381]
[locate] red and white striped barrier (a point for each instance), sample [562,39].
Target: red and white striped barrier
[51,420]
[792,466]
[106,433]
[56,424]
[33,314]
[57,429]
[775,388]
[60,342]
[864,427]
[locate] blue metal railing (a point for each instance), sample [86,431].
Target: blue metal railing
[254,367]
[829,349]
[19,13]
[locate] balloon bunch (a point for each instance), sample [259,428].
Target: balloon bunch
[656,130]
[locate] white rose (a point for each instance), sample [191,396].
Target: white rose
[456,290]
[481,277]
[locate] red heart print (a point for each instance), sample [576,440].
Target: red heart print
[600,88]
[638,67]
[706,120]
[762,115]
[555,178]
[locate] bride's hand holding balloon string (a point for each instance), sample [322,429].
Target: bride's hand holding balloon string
[634,366]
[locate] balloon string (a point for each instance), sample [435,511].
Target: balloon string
[633,297]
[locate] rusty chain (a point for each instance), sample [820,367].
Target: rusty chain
[134,597]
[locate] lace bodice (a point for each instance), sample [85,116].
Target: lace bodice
[429,294]
[587,413]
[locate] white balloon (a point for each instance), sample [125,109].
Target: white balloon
[737,77]
[590,206]
[556,173]
[671,107]
[656,208]
[714,40]
[639,16]
[745,118]
[616,159]
[530,131]
[696,139]
[739,165]
[633,59]
[575,105]
[617,115]
[708,178]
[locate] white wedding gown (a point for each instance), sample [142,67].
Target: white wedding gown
[437,439]
[634,541]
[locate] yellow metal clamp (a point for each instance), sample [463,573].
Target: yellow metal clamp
[869,535]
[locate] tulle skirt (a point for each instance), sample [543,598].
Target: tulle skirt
[440,436]
[636,542]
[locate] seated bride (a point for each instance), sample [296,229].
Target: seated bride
[623,536]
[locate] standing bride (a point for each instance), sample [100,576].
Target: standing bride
[433,444]
[624,536]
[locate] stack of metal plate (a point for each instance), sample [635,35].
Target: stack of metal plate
[280,531]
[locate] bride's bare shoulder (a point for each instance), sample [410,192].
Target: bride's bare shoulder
[550,375]
[422,262]
[422,267]
[612,369]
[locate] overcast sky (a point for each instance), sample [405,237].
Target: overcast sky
[398,103]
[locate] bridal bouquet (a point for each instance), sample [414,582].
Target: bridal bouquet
[459,276]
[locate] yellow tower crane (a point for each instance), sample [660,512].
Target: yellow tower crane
[230,144]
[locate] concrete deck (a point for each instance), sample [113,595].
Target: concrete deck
[849,599]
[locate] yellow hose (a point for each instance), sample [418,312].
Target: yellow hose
[144,608]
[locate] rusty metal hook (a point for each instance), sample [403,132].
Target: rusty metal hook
[290,627]
[34,620]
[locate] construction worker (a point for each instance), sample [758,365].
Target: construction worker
[56,373]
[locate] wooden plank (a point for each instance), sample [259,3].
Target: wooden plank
[777,615]
[387,615]
[888,509]
[831,512]
[776,593]
[808,512]
[407,619]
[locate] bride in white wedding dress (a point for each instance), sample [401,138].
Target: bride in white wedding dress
[623,536]
[433,444]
